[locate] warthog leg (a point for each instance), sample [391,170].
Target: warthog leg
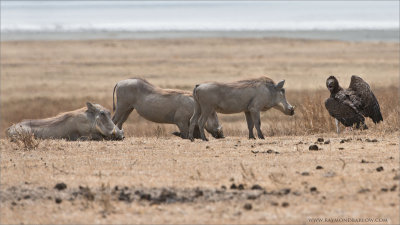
[250,125]
[193,122]
[202,121]
[184,130]
[121,115]
[255,116]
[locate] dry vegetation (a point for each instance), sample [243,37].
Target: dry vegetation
[43,78]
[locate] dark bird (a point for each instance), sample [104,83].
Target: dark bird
[350,106]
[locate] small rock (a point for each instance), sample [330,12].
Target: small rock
[198,193]
[274,203]
[345,140]
[27,197]
[364,161]
[285,204]
[313,148]
[241,187]
[252,197]
[384,189]
[58,200]
[319,167]
[397,177]
[327,142]
[145,197]
[330,174]
[256,187]
[207,147]
[255,152]
[369,140]
[363,190]
[296,193]
[305,174]
[320,139]
[379,169]
[247,206]
[313,189]
[60,186]
[125,196]
[393,188]
[341,148]
[285,191]
[13,203]
[223,187]
[269,151]
[233,186]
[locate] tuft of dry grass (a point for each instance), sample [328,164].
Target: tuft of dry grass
[25,139]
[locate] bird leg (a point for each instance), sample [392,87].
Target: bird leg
[337,126]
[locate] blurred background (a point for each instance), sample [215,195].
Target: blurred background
[171,19]
[56,55]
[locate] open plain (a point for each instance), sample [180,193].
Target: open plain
[155,177]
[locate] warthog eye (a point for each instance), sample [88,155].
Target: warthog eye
[102,113]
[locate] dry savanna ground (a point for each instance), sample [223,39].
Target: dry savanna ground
[154,177]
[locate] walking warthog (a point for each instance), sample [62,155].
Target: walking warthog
[158,105]
[91,123]
[248,96]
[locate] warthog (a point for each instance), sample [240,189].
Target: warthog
[89,123]
[158,105]
[248,96]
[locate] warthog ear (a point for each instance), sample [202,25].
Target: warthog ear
[91,107]
[280,84]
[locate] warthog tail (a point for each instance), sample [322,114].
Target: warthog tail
[113,97]
[194,91]
[196,100]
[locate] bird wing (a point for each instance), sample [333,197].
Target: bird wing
[343,112]
[347,97]
[369,103]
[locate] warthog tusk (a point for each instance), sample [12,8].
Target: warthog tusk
[114,131]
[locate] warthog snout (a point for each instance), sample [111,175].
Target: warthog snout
[291,111]
[118,134]
[218,135]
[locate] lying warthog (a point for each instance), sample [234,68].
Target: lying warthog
[158,105]
[248,96]
[91,123]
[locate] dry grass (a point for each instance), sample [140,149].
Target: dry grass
[25,140]
[42,79]
[346,187]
